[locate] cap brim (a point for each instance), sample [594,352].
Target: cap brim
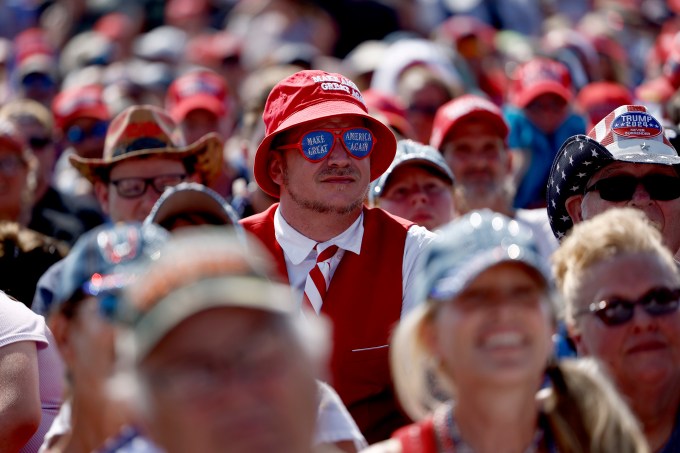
[208,149]
[548,87]
[189,199]
[227,292]
[199,101]
[380,158]
[378,188]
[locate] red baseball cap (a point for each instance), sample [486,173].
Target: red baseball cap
[466,107]
[200,89]
[79,102]
[310,95]
[540,76]
[598,99]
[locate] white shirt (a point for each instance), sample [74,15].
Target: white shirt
[300,256]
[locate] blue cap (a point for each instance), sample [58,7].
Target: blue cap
[471,244]
[98,258]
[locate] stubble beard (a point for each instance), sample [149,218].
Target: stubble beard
[320,207]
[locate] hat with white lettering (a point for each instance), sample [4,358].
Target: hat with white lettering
[312,95]
[628,134]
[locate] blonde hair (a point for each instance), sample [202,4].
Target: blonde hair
[615,232]
[583,409]
[585,413]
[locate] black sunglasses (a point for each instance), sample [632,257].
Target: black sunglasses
[616,311]
[38,143]
[622,188]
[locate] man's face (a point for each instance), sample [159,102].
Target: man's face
[41,142]
[547,112]
[122,209]
[478,159]
[418,194]
[13,175]
[199,122]
[230,377]
[664,214]
[337,184]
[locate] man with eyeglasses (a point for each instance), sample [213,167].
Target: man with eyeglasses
[353,264]
[625,160]
[145,152]
[621,289]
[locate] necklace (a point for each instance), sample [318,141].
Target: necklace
[448,436]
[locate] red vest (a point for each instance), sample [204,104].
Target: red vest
[363,302]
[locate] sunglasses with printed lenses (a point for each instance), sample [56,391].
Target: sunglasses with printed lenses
[77,134]
[136,187]
[613,312]
[622,188]
[316,145]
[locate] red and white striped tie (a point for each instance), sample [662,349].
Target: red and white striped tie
[318,280]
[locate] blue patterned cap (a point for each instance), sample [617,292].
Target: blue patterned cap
[96,262]
[471,244]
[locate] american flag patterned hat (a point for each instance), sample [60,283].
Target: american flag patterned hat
[628,134]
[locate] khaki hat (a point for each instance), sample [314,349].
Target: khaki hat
[146,130]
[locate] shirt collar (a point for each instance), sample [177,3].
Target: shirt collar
[297,246]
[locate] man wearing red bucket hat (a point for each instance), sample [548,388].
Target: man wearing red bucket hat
[353,264]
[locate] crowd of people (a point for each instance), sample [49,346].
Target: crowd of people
[360,225]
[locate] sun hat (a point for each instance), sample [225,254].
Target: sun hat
[191,198]
[410,152]
[311,95]
[468,106]
[198,270]
[628,134]
[198,89]
[540,76]
[468,246]
[146,130]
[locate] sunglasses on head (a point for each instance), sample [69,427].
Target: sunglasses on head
[616,311]
[77,134]
[622,188]
[316,145]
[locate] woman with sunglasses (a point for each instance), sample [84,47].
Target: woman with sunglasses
[621,287]
[472,363]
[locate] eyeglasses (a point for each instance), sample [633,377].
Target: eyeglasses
[316,145]
[614,312]
[622,188]
[77,134]
[39,143]
[136,187]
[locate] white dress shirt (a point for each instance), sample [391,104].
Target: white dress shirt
[300,255]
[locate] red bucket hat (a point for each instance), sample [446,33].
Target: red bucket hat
[145,130]
[311,95]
